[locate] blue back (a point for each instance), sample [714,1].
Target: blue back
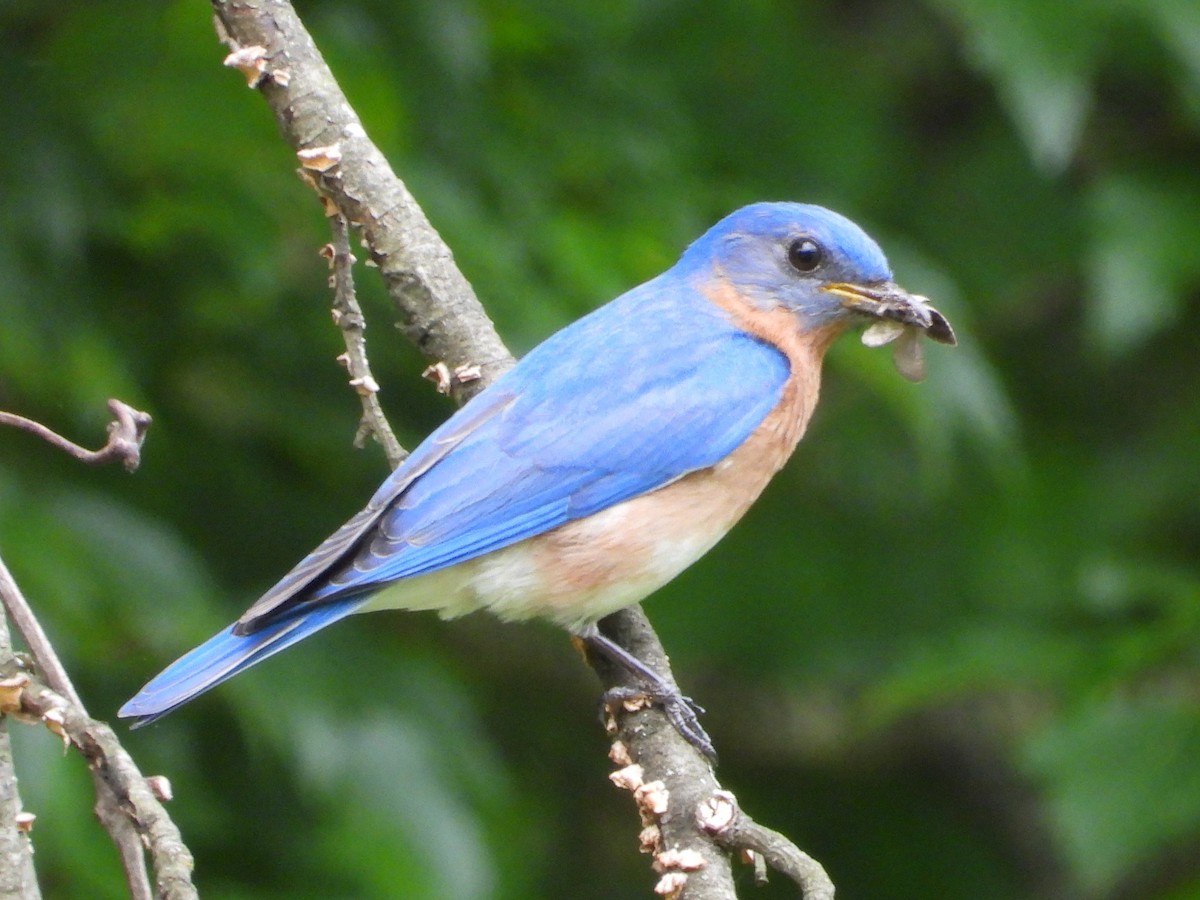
[596,415]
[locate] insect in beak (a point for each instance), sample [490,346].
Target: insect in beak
[899,316]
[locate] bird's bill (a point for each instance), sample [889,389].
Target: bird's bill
[886,300]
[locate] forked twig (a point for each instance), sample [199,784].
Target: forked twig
[125,804]
[723,819]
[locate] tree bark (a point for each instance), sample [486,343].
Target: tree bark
[18,878]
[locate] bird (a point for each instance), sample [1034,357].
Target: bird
[610,458]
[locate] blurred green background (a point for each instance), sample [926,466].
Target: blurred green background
[953,652]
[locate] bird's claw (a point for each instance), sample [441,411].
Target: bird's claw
[682,712]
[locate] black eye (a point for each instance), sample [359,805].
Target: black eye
[805,254]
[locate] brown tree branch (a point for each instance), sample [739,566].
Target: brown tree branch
[444,319]
[721,817]
[667,776]
[692,800]
[125,802]
[116,823]
[670,780]
[126,434]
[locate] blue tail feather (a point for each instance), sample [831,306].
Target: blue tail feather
[225,655]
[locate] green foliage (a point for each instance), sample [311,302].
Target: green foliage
[954,649]
[1113,817]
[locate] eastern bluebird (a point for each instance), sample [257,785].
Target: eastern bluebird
[609,459]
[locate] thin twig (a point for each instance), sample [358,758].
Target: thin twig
[348,317]
[126,838]
[126,434]
[134,798]
[782,856]
[30,629]
[123,833]
[721,817]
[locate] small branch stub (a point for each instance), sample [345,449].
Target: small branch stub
[11,689]
[320,159]
[446,380]
[160,787]
[251,62]
[671,885]
[717,813]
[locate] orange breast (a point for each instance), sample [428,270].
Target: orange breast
[589,568]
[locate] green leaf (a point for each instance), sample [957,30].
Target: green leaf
[1121,782]
[1142,257]
[1040,57]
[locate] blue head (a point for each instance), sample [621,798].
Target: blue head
[807,259]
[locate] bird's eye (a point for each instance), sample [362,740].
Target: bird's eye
[805,254]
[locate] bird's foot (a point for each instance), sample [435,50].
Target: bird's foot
[682,712]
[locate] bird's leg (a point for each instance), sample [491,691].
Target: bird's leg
[681,711]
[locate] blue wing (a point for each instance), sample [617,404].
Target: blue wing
[627,400]
[646,389]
